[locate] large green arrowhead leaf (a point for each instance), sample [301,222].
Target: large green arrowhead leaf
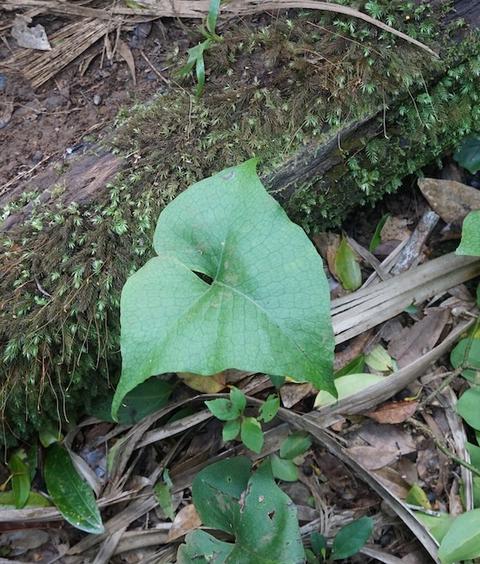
[262,305]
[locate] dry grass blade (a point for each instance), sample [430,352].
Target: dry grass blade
[67,44]
[366,308]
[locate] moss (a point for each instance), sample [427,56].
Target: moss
[271,90]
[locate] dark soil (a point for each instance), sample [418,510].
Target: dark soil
[81,100]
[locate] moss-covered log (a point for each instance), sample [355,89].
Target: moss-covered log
[337,112]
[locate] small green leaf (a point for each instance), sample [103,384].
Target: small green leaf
[462,540]
[377,236]
[346,386]
[467,353]
[351,538]
[416,496]
[468,154]
[49,435]
[470,242]
[476,492]
[318,543]
[70,493]
[437,525]
[269,408]
[20,478]
[213,11]
[346,266]
[163,495]
[216,492]
[202,548]
[251,434]
[230,430]
[468,407]
[267,308]
[474,452]
[223,409]
[238,399]
[355,366]
[295,444]
[379,359]
[35,499]
[283,469]
[310,556]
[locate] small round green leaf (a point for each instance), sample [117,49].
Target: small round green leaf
[251,434]
[223,409]
[470,242]
[238,399]
[70,493]
[269,408]
[230,430]
[284,469]
[468,407]
[351,538]
[462,540]
[295,445]
[468,154]
[467,353]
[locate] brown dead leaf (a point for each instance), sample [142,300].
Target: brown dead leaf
[327,245]
[124,51]
[420,338]
[205,384]
[291,394]
[372,458]
[395,229]
[451,200]
[385,437]
[185,520]
[394,412]
[393,481]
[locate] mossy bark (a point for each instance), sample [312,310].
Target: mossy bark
[338,112]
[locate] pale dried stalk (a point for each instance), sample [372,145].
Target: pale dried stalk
[199,9]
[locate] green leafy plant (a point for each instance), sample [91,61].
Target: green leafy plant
[346,266]
[284,466]
[195,55]
[232,412]
[21,477]
[347,542]
[251,508]
[163,494]
[235,285]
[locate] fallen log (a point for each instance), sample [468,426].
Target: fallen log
[337,112]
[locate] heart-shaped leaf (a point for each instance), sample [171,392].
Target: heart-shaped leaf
[70,493]
[235,284]
[470,243]
[260,516]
